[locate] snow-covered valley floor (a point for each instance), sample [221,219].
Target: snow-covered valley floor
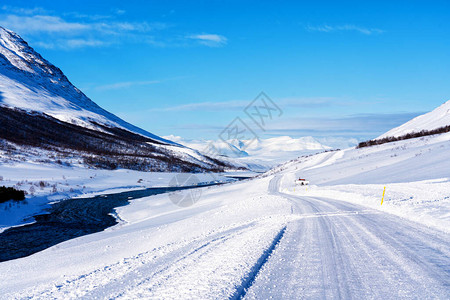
[265,243]
[261,238]
[48,183]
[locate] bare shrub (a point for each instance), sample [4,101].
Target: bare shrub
[407,136]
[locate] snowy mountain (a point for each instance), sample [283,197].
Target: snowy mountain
[40,108]
[437,118]
[262,152]
[30,82]
[284,144]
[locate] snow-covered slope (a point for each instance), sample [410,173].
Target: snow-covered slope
[415,159]
[30,82]
[34,92]
[437,118]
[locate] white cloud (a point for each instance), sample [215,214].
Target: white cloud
[40,23]
[53,24]
[78,43]
[126,84]
[206,106]
[123,27]
[359,125]
[74,30]
[346,27]
[307,102]
[93,17]
[24,11]
[71,43]
[174,138]
[54,32]
[211,40]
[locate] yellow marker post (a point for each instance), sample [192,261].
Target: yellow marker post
[382,198]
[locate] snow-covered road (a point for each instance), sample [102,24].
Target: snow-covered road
[341,250]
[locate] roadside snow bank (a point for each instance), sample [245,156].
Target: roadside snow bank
[426,202]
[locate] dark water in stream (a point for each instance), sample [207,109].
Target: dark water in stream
[69,219]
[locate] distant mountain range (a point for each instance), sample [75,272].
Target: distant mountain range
[44,117]
[261,153]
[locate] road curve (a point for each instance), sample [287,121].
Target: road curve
[340,250]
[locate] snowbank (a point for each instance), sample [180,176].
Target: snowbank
[426,202]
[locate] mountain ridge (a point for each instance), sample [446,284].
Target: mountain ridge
[438,117]
[24,66]
[41,109]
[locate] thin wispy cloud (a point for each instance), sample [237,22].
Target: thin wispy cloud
[95,17]
[345,27]
[74,30]
[41,23]
[126,84]
[24,11]
[308,102]
[369,125]
[210,40]
[71,43]
[55,32]
[362,126]
[55,24]
[206,106]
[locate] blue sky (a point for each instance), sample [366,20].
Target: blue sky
[188,68]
